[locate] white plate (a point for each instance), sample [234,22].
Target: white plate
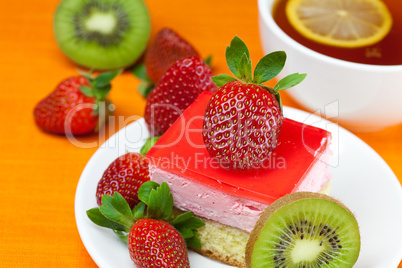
[362,181]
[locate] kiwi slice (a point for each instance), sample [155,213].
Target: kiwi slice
[304,230]
[102,34]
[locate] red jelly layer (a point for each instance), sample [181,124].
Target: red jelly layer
[181,151]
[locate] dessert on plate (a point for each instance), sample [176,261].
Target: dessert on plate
[231,201]
[231,153]
[251,175]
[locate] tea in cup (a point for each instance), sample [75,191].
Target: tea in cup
[359,87]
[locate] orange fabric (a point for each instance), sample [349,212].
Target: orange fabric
[39,172]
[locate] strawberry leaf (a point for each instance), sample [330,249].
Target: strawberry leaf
[160,202]
[122,236]
[145,189]
[245,69]
[278,97]
[234,54]
[186,233]
[145,88]
[101,92]
[87,91]
[139,211]
[208,60]
[192,223]
[148,145]
[146,85]
[289,81]
[117,209]
[269,66]
[98,218]
[187,224]
[193,242]
[87,75]
[222,79]
[140,72]
[105,78]
[182,218]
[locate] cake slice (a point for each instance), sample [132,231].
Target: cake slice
[232,201]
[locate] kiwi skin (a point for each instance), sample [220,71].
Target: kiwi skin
[268,212]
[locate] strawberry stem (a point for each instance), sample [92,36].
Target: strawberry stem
[239,63]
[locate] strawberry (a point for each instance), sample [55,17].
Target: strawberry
[177,89]
[156,236]
[166,48]
[243,119]
[74,106]
[169,250]
[124,175]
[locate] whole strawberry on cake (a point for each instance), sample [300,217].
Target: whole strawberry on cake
[243,119]
[231,153]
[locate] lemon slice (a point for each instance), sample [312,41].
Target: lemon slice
[342,23]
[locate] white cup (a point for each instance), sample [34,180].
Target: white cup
[361,97]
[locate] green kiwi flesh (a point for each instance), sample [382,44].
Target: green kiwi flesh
[102,34]
[304,230]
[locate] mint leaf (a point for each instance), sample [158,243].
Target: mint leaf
[117,209]
[269,66]
[234,54]
[148,145]
[87,91]
[105,78]
[139,211]
[98,218]
[145,189]
[289,81]
[222,79]
[193,242]
[245,69]
[160,202]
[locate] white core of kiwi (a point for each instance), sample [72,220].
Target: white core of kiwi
[104,23]
[305,250]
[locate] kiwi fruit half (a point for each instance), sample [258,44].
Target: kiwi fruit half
[102,34]
[304,230]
